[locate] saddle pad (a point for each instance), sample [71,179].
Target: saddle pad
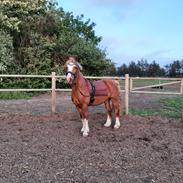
[100,88]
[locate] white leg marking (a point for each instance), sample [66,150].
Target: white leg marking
[82,129]
[108,122]
[86,127]
[117,123]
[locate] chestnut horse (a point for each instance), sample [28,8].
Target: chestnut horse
[85,94]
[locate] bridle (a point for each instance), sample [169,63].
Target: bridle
[73,64]
[73,74]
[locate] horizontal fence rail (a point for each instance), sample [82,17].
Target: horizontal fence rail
[128,86]
[171,81]
[24,76]
[155,85]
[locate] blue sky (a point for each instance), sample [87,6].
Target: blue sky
[135,29]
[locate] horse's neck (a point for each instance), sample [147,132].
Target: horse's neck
[80,81]
[80,86]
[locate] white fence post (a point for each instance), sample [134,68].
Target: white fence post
[53,92]
[126,93]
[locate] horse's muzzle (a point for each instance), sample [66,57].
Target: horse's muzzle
[69,78]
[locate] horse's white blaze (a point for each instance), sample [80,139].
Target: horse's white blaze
[108,122]
[85,127]
[117,123]
[68,77]
[69,69]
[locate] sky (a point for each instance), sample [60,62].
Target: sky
[135,29]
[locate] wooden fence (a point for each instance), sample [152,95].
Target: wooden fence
[169,81]
[128,86]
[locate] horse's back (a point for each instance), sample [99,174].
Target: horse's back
[113,87]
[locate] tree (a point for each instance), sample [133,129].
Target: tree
[175,69]
[77,37]
[42,35]
[122,70]
[6,52]
[181,70]
[155,70]
[14,12]
[133,69]
[143,67]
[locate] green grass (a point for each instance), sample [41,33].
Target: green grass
[15,95]
[169,107]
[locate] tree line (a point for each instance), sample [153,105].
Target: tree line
[142,68]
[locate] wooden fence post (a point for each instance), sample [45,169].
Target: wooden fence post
[181,87]
[131,84]
[53,93]
[181,92]
[126,93]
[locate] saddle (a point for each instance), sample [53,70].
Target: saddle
[96,88]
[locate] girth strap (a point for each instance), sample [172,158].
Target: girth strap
[92,92]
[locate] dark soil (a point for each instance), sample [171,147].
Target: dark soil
[36,146]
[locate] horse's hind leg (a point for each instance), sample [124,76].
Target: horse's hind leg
[109,113]
[117,106]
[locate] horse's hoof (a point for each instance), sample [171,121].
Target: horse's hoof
[107,125]
[85,134]
[116,126]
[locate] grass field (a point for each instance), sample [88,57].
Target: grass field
[15,95]
[170,107]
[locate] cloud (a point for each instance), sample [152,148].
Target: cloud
[158,53]
[117,9]
[104,3]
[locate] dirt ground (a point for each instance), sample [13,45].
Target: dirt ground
[37,146]
[42,104]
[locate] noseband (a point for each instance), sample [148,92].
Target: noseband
[77,65]
[74,75]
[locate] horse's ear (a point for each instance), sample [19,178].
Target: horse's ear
[79,66]
[75,57]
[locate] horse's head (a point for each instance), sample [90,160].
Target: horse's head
[72,66]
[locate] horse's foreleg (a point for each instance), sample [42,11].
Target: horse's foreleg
[109,114]
[80,113]
[117,106]
[85,127]
[84,114]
